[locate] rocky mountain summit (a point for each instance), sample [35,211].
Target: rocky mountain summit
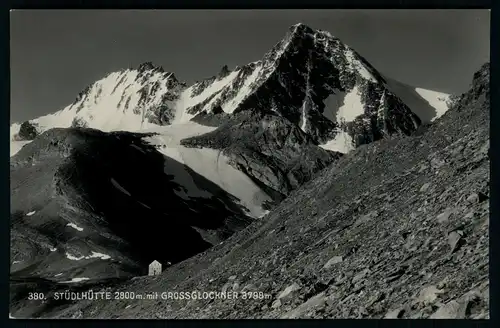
[282,177]
[394,229]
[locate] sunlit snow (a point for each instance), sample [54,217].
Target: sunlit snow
[73,257]
[109,105]
[75,280]
[243,92]
[352,106]
[74,226]
[186,100]
[209,163]
[426,104]
[342,143]
[438,100]
[98,255]
[15,146]
[91,256]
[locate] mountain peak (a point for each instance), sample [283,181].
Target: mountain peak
[224,72]
[301,28]
[298,36]
[149,66]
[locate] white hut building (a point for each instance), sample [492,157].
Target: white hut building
[154,268]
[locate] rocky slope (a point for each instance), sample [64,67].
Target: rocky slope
[394,229]
[86,204]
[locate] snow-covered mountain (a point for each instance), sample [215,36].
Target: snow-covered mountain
[309,80]
[231,146]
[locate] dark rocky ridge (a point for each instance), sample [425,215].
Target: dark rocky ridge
[120,197]
[397,228]
[27,131]
[267,147]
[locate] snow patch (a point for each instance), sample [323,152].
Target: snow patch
[91,256]
[15,262]
[438,100]
[59,274]
[74,226]
[73,257]
[15,146]
[209,163]
[426,104]
[304,116]
[168,142]
[14,129]
[75,280]
[244,91]
[266,212]
[352,107]
[30,213]
[186,100]
[53,249]
[98,255]
[306,100]
[342,143]
[119,187]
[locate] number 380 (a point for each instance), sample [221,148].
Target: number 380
[36,296]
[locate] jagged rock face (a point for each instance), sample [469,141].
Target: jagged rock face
[86,203]
[299,75]
[224,72]
[27,131]
[480,86]
[268,148]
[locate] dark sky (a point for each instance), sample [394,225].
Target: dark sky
[57,53]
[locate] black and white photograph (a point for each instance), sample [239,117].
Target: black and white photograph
[249,164]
